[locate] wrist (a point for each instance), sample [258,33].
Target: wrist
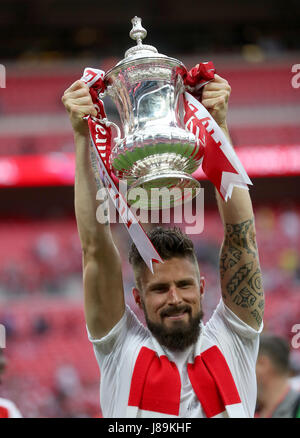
[80,127]
[81,135]
[224,126]
[225,130]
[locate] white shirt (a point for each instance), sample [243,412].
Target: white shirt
[13,411]
[116,354]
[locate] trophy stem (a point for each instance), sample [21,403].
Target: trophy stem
[163,190]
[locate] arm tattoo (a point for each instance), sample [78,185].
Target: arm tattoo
[240,271]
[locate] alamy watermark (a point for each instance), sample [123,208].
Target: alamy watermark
[2,336]
[296,338]
[175,205]
[295,81]
[2,76]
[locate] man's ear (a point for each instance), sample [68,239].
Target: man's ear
[137,297]
[202,286]
[264,361]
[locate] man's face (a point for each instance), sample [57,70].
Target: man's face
[171,300]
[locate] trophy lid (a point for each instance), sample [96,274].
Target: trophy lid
[138,33]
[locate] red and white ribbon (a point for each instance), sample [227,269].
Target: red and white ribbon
[218,158]
[100,135]
[219,161]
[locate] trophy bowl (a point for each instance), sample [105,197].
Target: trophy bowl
[156,151]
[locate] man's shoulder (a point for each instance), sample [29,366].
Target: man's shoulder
[129,332]
[6,403]
[224,322]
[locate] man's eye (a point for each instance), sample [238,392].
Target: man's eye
[160,289]
[185,285]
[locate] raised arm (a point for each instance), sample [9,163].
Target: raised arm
[102,276]
[241,280]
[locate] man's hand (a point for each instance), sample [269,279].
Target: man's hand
[78,103]
[215,98]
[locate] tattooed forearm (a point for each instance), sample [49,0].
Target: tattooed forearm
[242,236]
[229,259]
[240,272]
[257,316]
[238,278]
[244,298]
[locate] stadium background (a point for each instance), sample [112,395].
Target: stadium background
[44,47]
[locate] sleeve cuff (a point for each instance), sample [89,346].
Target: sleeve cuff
[239,326]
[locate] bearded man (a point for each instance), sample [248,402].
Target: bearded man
[175,366]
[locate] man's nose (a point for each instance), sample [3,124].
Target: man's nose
[174,295]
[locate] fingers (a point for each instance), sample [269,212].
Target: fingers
[76,86]
[84,100]
[215,86]
[213,103]
[77,100]
[209,94]
[79,111]
[215,95]
[216,92]
[78,93]
[218,83]
[219,79]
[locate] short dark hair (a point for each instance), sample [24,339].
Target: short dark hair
[169,243]
[277,349]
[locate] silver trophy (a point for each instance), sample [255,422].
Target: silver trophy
[156,151]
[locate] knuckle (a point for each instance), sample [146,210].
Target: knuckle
[64,97]
[73,109]
[84,85]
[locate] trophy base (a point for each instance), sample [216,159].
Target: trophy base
[162,170]
[164,190]
[140,161]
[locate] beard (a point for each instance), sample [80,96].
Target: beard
[181,335]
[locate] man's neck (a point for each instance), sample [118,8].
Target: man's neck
[273,393]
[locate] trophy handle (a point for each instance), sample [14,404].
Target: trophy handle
[114,125]
[107,122]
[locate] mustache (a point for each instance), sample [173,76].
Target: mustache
[175,310]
